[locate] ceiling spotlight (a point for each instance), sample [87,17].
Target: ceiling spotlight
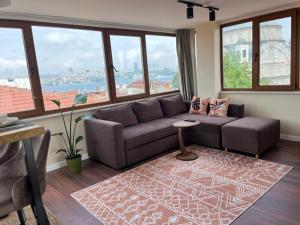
[212,14]
[190,11]
[4,3]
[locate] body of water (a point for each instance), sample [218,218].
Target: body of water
[92,86]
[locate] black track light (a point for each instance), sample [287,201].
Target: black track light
[212,14]
[190,11]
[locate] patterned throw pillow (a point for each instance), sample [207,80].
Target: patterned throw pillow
[199,105]
[219,107]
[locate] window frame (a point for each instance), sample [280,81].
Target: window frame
[146,58]
[295,20]
[221,53]
[76,27]
[298,51]
[127,33]
[34,77]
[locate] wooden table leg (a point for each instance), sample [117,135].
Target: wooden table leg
[184,155]
[42,218]
[181,142]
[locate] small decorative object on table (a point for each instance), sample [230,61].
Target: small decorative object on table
[6,121]
[73,157]
[184,154]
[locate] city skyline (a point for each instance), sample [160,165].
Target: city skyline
[82,50]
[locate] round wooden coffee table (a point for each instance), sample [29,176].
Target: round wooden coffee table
[184,154]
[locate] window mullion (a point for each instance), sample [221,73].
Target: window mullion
[145,65]
[109,69]
[33,70]
[294,52]
[255,54]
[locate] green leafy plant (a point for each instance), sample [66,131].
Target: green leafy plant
[69,135]
[175,82]
[238,73]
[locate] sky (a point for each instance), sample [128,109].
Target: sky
[60,49]
[12,53]
[285,24]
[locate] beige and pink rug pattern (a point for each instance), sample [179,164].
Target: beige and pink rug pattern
[212,190]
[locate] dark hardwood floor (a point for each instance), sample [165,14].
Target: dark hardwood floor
[279,206]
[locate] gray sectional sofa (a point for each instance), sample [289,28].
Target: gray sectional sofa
[123,135]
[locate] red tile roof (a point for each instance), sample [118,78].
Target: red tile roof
[14,99]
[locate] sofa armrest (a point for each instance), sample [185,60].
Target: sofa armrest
[236,110]
[105,142]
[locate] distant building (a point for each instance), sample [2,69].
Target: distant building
[275,52]
[136,67]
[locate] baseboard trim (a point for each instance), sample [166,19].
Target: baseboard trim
[61,164]
[290,137]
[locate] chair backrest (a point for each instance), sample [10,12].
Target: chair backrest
[20,192]
[41,148]
[7,151]
[14,156]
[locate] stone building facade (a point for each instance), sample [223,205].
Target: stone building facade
[275,51]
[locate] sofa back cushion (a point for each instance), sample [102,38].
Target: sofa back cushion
[121,114]
[147,110]
[173,105]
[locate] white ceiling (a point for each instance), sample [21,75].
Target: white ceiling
[150,13]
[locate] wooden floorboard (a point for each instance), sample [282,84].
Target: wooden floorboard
[279,206]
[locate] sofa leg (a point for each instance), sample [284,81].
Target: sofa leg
[257,156]
[226,149]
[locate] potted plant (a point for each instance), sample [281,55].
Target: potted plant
[73,158]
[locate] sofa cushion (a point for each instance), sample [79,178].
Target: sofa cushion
[121,114]
[199,105]
[218,107]
[144,133]
[147,110]
[211,124]
[172,106]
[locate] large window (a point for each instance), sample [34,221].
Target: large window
[70,61]
[15,85]
[275,39]
[237,55]
[40,62]
[260,54]
[162,63]
[127,65]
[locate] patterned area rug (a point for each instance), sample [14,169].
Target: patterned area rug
[212,190]
[13,218]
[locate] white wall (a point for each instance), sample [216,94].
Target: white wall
[54,124]
[284,106]
[208,63]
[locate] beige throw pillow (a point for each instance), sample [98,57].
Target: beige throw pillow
[219,107]
[199,105]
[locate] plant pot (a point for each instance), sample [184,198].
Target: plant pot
[74,164]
